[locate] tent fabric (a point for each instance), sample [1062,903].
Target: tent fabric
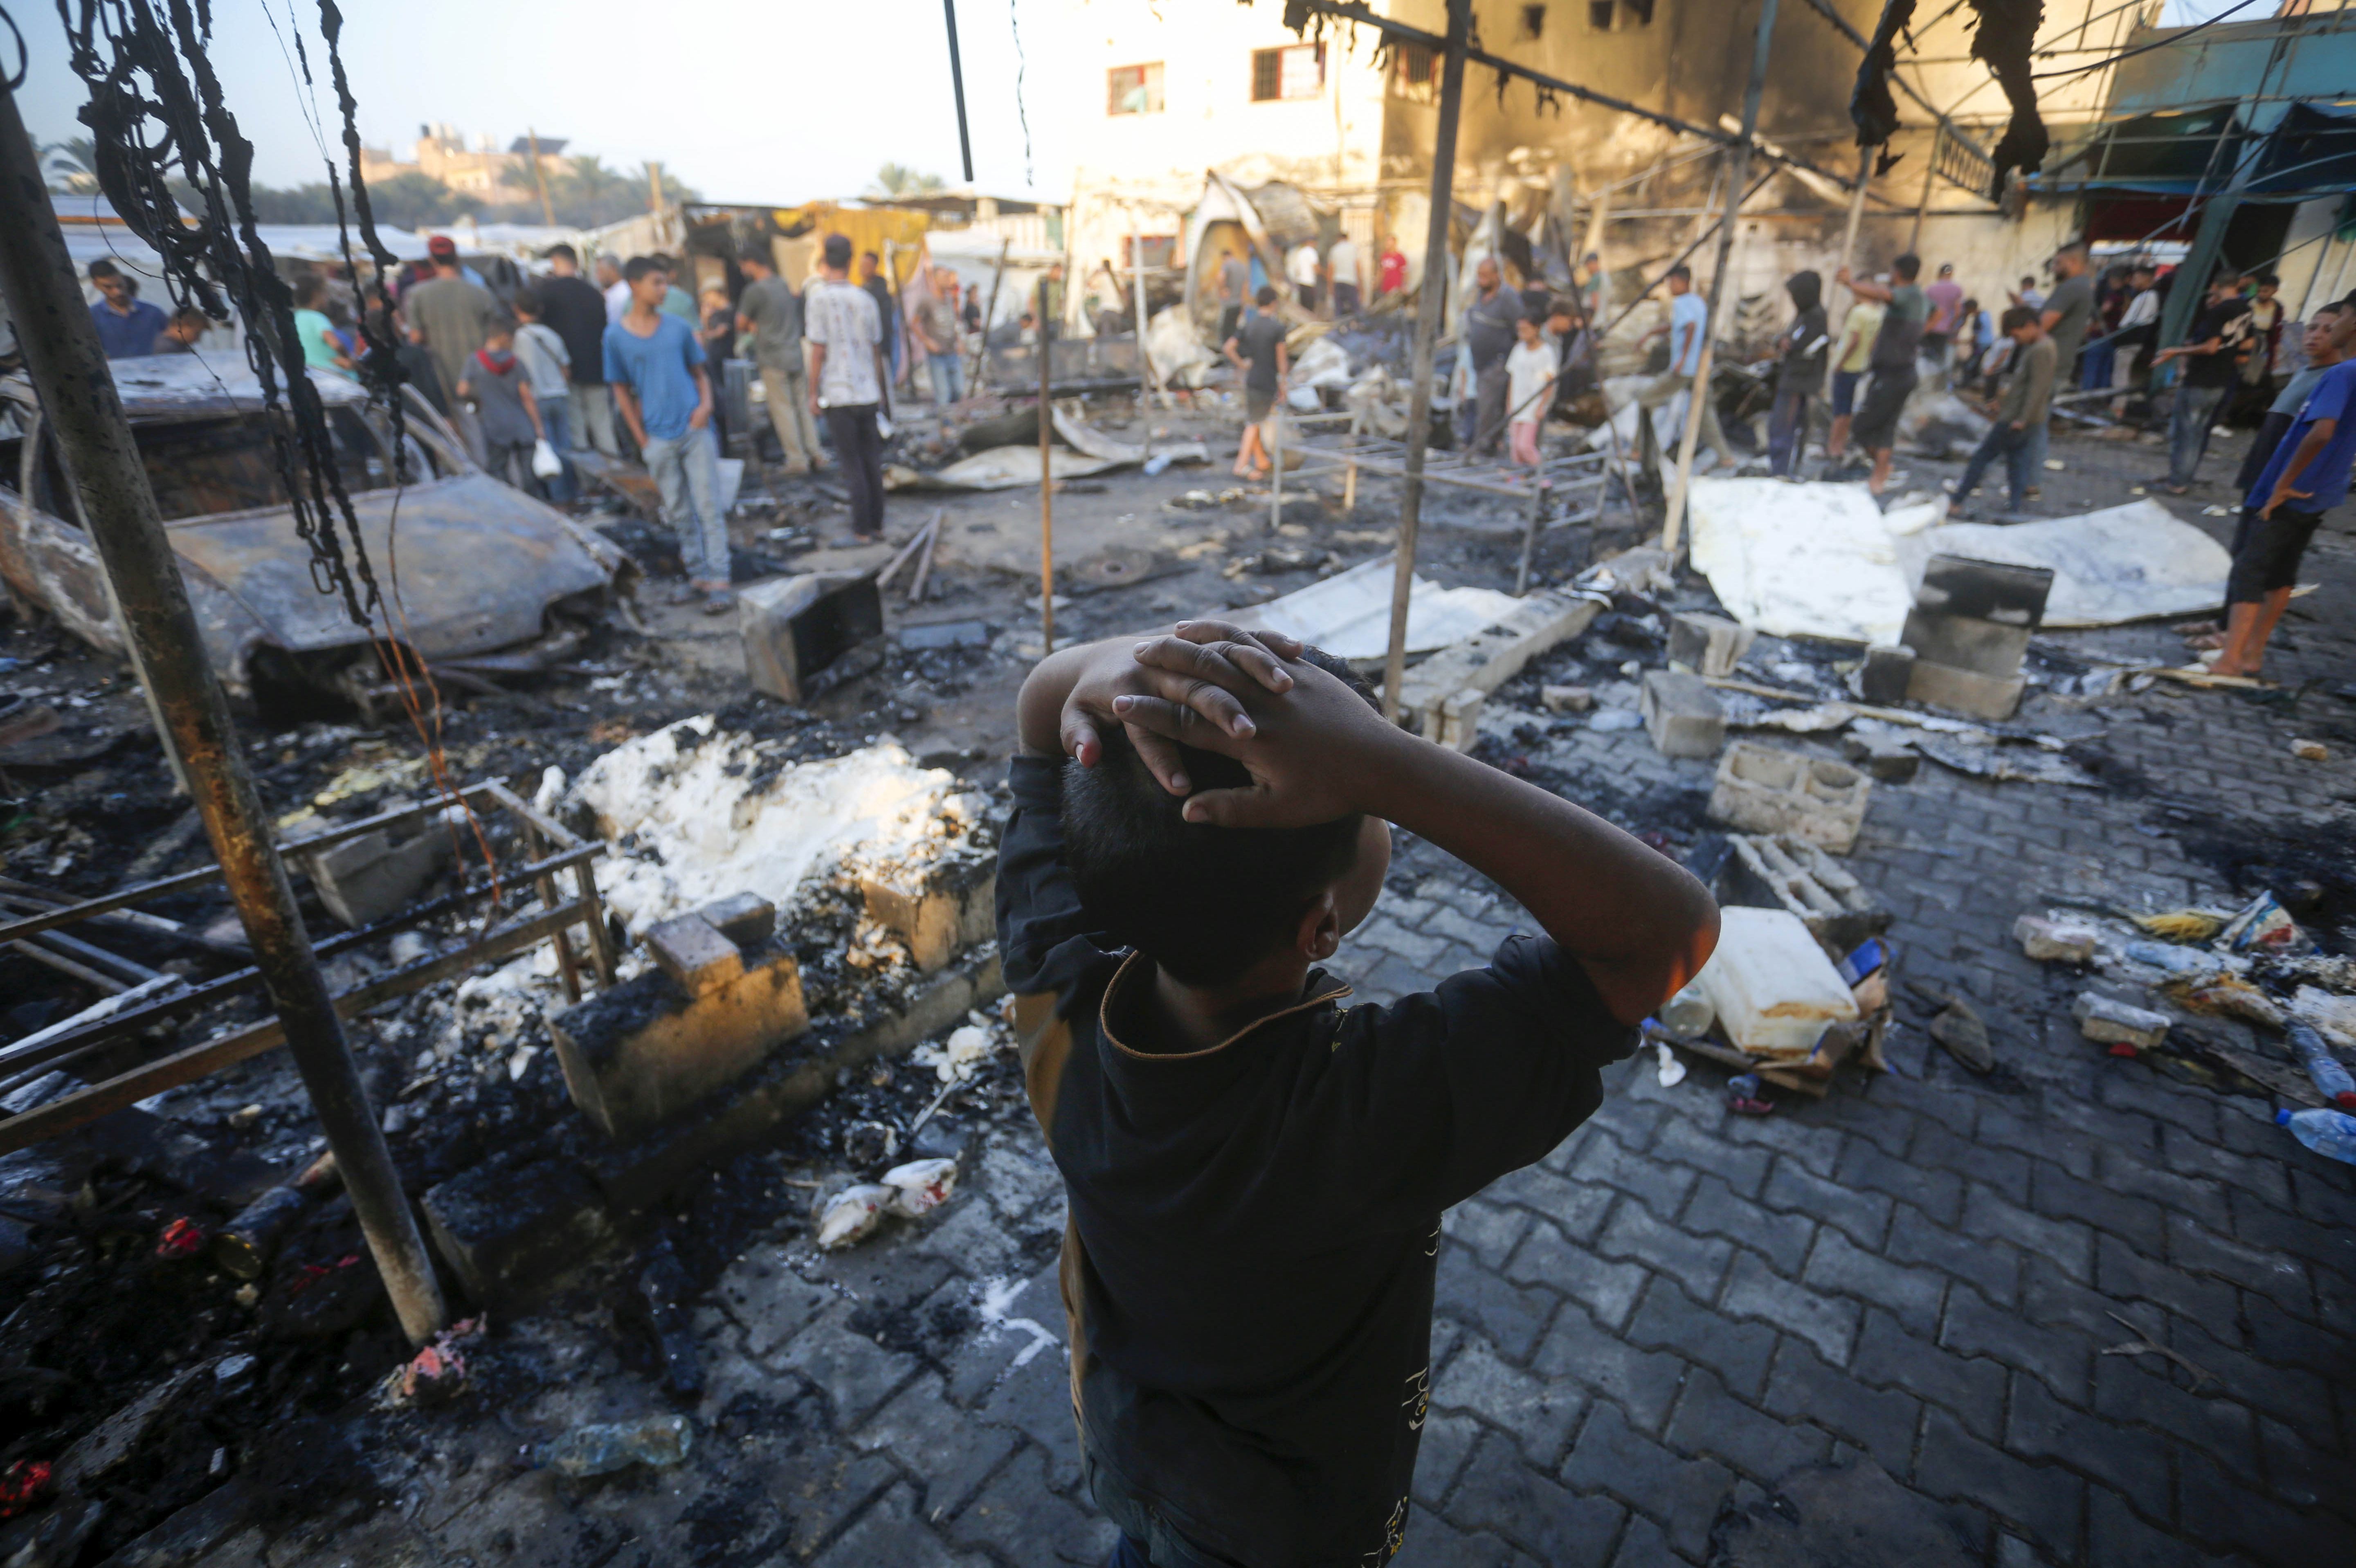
[2136,562]
[2312,150]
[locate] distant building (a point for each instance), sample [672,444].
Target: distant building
[479,171]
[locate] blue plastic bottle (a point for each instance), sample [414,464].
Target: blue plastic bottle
[2331,1133]
[2331,1079]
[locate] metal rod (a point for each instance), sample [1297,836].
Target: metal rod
[982,349]
[1930,166]
[1847,259]
[66,363]
[957,84]
[1428,303]
[1045,335]
[1149,380]
[1737,160]
[105,985]
[1530,538]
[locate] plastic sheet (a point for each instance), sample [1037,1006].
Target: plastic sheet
[2136,562]
[1800,559]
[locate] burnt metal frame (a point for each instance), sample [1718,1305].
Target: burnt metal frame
[553,922]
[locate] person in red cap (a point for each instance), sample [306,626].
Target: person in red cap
[450,314]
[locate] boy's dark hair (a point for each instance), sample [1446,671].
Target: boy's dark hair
[1267,295]
[2016,318]
[1682,272]
[104,266]
[563,250]
[526,302]
[309,290]
[754,256]
[1908,266]
[500,325]
[640,267]
[837,249]
[2268,279]
[1203,902]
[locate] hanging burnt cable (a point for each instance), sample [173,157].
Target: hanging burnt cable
[156,110]
[24,57]
[2168,42]
[2006,32]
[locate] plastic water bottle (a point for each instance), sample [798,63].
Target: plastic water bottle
[2331,1079]
[1688,1014]
[2331,1133]
[603,1447]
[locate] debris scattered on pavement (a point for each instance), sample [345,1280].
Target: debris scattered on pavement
[600,1448]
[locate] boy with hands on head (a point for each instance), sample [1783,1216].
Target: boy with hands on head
[1255,1171]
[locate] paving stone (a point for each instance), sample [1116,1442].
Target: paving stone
[1538,1414]
[2327,1243]
[1938,1193]
[1491,1232]
[1992,1267]
[1433,1543]
[2045,1502]
[1607,1160]
[2188,1154]
[2004,1151]
[1036,1400]
[2218,1510]
[1019,1518]
[1501,1494]
[2203,1198]
[2060,1196]
[1440,1457]
[1827,1322]
[1864,1216]
[1645,1382]
[2039,1426]
[1742,1169]
[932,1438]
[1645,1544]
[1669,1319]
[1817,1148]
[1681,1494]
[2303,1475]
[2062,1357]
[1634,1233]
[1608,1289]
[1511,1316]
[1881,1422]
[762,1291]
[1913,1295]
[2287,1394]
[2068,1243]
[1575,1208]
[854,1372]
[2122,1272]
[1712,1423]
[2139,1390]
[1716,1210]
[1889,1357]
[2275,1335]
[890,1532]
[2283,1279]
[2116,1538]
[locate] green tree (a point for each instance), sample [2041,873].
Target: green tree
[415,201]
[71,164]
[898,179]
[584,194]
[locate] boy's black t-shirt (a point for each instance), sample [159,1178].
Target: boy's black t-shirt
[1248,1265]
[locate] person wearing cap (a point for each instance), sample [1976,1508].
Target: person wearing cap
[450,314]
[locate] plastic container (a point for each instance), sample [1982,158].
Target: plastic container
[1775,991]
[2331,1079]
[1690,1013]
[602,1447]
[2331,1133]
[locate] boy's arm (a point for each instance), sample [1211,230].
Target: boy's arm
[531,411]
[1637,923]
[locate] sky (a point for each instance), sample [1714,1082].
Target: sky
[778,103]
[775,103]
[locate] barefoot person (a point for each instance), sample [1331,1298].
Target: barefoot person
[1258,349]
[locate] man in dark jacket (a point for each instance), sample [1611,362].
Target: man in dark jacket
[1799,371]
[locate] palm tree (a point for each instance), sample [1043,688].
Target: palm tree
[71,164]
[897,180]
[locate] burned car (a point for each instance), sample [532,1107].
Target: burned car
[466,564]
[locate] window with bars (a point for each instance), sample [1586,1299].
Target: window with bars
[1133,89]
[1296,71]
[1415,72]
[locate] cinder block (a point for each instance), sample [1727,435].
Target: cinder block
[796,626]
[1487,661]
[512,1227]
[1889,758]
[1960,642]
[1764,789]
[1708,644]
[936,911]
[2105,1019]
[1985,590]
[1683,716]
[648,1049]
[2053,941]
[1456,723]
[376,875]
[691,950]
[1883,680]
[1779,871]
[1963,691]
[746,919]
[1565,698]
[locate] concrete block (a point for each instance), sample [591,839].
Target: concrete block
[746,919]
[1889,758]
[1883,680]
[1565,698]
[691,950]
[1708,644]
[936,911]
[1494,656]
[377,875]
[648,1049]
[1961,642]
[1765,789]
[2106,1018]
[1985,590]
[1964,691]
[511,1228]
[1456,723]
[796,626]
[1781,872]
[1683,716]
[2054,942]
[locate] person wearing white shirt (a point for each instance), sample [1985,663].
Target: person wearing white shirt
[1341,266]
[1529,390]
[2138,327]
[617,290]
[1301,268]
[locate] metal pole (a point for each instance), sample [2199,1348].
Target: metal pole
[1148,378]
[1275,461]
[1930,167]
[65,362]
[1848,260]
[1427,337]
[1738,170]
[540,178]
[989,315]
[1046,479]
[956,83]
[1530,537]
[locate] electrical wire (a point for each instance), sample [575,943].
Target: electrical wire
[2168,42]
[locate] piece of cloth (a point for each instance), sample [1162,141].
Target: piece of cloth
[316,334]
[574,310]
[2268,554]
[1391,274]
[593,412]
[1689,324]
[660,369]
[494,384]
[776,312]
[1895,345]
[1528,368]
[843,317]
[1258,340]
[1487,328]
[1859,329]
[2142,311]
[1787,427]
[1148,1540]
[2029,384]
[547,360]
[454,315]
[2188,430]
[947,371]
[2011,446]
[417,368]
[2323,482]
[787,388]
[1875,428]
[2227,324]
[686,469]
[1802,349]
[1946,301]
[1248,1266]
[461,417]
[1845,392]
[128,335]
[859,457]
[2073,303]
[1523,442]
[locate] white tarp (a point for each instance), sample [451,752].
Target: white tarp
[1349,613]
[1800,559]
[2124,563]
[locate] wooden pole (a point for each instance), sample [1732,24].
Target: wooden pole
[654,188]
[988,315]
[1848,260]
[1046,336]
[1738,167]
[1427,340]
[1929,167]
[540,178]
